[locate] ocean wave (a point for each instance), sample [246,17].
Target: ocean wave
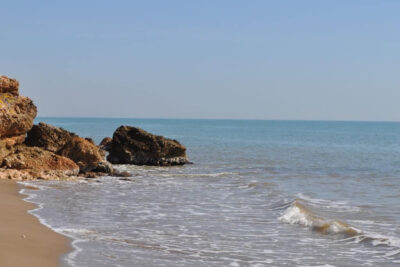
[329,204]
[298,214]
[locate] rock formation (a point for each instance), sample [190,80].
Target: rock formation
[18,161]
[132,145]
[43,151]
[36,161]
[16,112]
[48,152]
[83,152]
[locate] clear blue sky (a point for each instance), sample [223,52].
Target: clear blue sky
[333,60]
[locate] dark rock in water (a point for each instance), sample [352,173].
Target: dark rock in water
[125,179]
[83,152]
[106,143]
[132,145]
[104,167]
[122,174]
[92,175]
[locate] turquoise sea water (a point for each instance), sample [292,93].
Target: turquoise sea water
[261,193]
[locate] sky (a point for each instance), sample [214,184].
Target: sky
[258,59]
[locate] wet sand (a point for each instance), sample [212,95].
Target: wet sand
[23,240]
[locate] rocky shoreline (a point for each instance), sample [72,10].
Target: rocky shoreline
[43,151]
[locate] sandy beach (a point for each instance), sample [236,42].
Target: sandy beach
[23,240]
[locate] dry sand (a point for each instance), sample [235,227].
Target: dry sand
[23,240]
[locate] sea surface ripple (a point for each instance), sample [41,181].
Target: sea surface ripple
[261,193]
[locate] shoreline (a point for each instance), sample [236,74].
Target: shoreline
[24,241]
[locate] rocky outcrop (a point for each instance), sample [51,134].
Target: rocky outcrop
[55,151]
[36,159]
[132,145]
[43,151]
[16,115]
[88,156]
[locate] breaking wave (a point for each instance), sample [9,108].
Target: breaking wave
[298,214]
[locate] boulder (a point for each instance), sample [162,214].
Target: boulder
[48,137]
[132,145]
[35,159]
[86,154]
[106,143]
[16,115]
[83,152]
[8,85]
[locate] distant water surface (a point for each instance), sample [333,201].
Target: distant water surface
[261,193]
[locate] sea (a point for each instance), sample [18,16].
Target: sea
[259,193]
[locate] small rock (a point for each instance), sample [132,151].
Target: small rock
[122,174]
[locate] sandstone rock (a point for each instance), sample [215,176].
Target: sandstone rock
[35,175]
[34,159]
[86,154]
[15,140]
[48,152]
[16,115]
[132,145]
[5,150]
[83,152]
[8,85]
[90,140]
[106,143]
[48,137]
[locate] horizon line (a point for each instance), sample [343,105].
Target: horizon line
[217,119]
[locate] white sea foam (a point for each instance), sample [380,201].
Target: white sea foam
[299,214]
